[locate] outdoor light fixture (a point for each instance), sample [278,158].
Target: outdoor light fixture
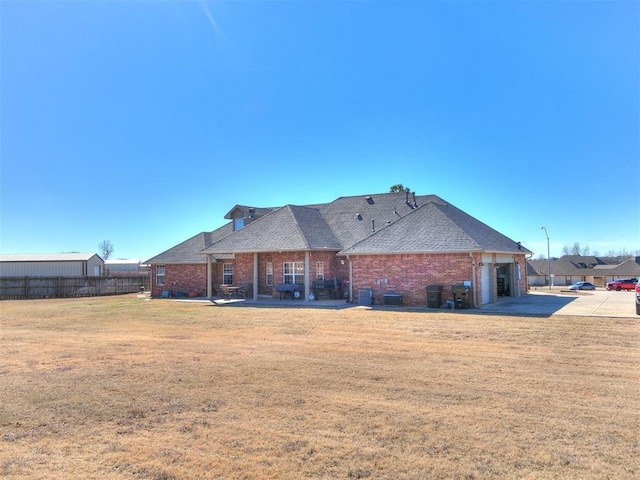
[548,256]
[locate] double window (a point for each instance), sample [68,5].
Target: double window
[293,272]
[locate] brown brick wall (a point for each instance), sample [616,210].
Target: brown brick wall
[181,278]
[409,274]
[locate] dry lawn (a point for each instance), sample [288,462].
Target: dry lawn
[123,387]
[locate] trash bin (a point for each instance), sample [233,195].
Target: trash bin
[460,296]
[434,296]
[393,298]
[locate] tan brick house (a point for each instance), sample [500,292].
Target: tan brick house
[381,243]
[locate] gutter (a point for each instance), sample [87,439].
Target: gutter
[350,279]
[474,284]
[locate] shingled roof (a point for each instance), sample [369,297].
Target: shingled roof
[435,228]
[576,265]
[367,224]
[288,228]
[188,251]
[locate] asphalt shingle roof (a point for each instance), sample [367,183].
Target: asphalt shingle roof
[570,265]
[188,251]
[368,224]
[435,227]
[288,228]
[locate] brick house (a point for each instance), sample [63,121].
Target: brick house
[569,269]
[389,242]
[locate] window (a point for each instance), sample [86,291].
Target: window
[160,275]
[293,272]
[269,273]
[227,274]
[319,270]
[238,223]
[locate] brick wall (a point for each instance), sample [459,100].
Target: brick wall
[410,274]
[181,278]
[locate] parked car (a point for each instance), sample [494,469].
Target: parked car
[582,286]
[638,299]
[626,284]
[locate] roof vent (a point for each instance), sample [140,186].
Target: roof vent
[252,212]
[358,216]
[369,200]
[415,205]
[373,226]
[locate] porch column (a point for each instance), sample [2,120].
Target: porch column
[306,276]
[209,279]
[255,277]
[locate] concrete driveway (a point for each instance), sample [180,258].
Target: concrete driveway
[598,303]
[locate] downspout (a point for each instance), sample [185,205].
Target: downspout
[255,277]
[350,279]
[306,276]
[209,279]
[474,284]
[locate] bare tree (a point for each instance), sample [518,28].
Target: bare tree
[576,249]
[106,247]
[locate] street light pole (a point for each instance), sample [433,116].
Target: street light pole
[548,256]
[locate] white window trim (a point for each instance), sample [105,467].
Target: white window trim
[269,274]
[297,272]
[227,271]
[158,275]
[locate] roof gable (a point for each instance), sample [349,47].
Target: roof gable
[187,251]
[288,228]
[435,228]
[244,211]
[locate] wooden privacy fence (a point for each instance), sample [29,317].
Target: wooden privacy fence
[57,287]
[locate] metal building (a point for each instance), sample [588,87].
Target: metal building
[51,265]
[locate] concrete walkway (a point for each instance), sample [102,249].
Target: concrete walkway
[598,303]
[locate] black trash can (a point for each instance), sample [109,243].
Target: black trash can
[460,296]
[434,296]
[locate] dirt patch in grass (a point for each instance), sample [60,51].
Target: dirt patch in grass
[120,387]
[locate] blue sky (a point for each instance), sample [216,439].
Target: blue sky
[144,122]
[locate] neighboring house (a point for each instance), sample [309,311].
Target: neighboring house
[51,265]
[390,242]
[569,269]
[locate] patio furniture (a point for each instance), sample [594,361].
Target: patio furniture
[224,291]
[246,289]
[293,290]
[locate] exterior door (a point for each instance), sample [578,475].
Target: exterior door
[487,284]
